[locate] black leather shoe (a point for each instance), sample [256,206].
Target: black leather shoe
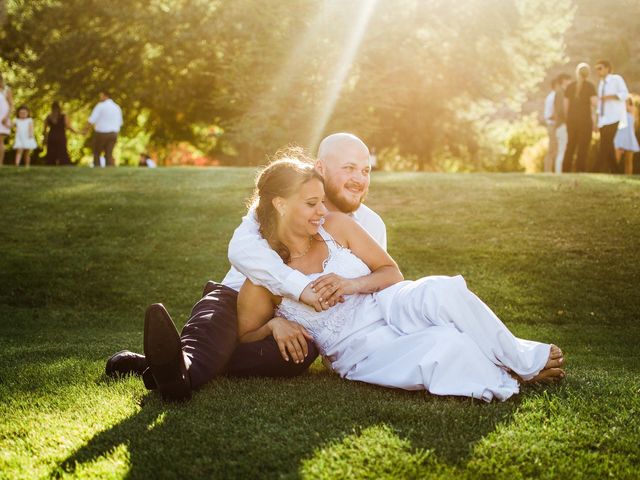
[164,354]
[125,363]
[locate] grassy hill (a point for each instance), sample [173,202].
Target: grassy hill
[85,251]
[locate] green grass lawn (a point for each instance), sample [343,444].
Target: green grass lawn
[85,251]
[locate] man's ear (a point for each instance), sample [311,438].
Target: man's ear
[320,167]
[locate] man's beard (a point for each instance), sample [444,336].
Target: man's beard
[345,205]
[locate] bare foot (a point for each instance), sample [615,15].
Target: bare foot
[547,375]
[556,358]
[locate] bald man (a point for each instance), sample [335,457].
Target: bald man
[176,363]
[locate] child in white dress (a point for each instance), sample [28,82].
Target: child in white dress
[25,140]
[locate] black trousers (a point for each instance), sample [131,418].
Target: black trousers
[209,340]
[104,142]
[606,153]
[579,138]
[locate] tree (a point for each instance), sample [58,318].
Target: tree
[242,78]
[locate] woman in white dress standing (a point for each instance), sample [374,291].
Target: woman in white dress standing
[625,140]
[25,140]
[432,334]
[6,103]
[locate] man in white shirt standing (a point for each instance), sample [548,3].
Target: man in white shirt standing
[208,343]
[552,152]
[106,120]
[612,114]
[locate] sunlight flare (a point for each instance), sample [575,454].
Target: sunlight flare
[334,85]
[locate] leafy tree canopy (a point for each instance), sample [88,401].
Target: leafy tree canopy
[241,78]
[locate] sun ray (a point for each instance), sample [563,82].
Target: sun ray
[334,85]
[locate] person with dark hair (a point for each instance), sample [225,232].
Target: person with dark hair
[145,160]
[552,151]
[176,364]
[560,118]
[612,114]
[106,120]
[580,101]
[432,334]
[55,136]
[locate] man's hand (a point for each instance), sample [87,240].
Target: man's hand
[291,337]
[331,288]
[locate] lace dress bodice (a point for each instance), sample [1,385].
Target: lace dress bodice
[330,326]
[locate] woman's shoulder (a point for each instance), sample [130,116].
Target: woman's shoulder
[333,220]
[338,225]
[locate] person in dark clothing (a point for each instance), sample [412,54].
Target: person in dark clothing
[580,100]
[178,363]
[55,136]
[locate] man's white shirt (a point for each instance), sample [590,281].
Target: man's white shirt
[106,117]
[613,110]
[548,107]
[252,257]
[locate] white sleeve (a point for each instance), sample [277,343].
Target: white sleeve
[95,113]
[252,256]
[621,89]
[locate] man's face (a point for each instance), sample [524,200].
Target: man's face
[602,70]
[346,178]
[102,97]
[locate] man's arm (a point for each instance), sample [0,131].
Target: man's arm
[623,92]
[252,255]
[93,118]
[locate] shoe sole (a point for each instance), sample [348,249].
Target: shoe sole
[163,351]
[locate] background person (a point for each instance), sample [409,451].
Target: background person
[25,140]
[549,122]
[580,100]
[625,140]
[559,119]
[612,113]
[106,120]
[6,106]
[55,136]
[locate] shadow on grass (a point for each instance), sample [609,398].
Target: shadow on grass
[267,428]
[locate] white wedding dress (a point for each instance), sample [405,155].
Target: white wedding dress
[431,334]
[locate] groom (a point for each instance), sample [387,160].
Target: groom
[176,363]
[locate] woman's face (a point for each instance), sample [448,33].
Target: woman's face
[304,211]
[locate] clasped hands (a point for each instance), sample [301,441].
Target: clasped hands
[326,291]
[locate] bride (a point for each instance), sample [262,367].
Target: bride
[431,334]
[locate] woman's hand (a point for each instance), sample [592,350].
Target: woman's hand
[331,288]
[291,337]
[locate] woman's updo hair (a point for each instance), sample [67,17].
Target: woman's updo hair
[282,177]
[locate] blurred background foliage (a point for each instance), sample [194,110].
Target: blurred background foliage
[432,85]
